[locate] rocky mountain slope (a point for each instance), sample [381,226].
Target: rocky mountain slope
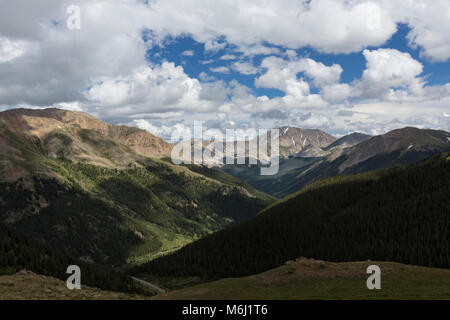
[294,140]
[79,136]
[399,146]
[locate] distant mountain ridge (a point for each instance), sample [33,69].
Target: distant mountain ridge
[351,154]
[398,146]
[349,140]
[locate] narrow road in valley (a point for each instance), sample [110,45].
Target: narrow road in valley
[148,284]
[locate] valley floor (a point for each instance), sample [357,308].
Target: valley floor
[313,279]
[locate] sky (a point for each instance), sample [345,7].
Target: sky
[338,65]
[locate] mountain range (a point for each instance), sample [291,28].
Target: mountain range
[105,193]
[354,153]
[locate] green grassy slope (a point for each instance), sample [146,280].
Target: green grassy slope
[313,279]
[398,214]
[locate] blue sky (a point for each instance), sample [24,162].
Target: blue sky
[353,64]
[337,65]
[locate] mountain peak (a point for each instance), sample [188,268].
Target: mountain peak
[293,140]
[349,140]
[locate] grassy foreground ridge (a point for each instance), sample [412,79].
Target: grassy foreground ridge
[313,279]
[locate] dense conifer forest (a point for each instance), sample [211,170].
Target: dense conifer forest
[19,252]
[107,215]
[399,214]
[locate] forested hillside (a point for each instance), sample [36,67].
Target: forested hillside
[113,216]
[19,252]
[400,214]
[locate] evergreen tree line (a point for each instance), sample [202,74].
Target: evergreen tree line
[400,214]
[19,252]
[67,219]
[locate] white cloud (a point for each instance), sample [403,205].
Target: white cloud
[257,49]
[279,70]
[345,26]
[214,46]
[220,69]
[60,64]
[283,75]
[209,61]
[110,92]
[161,88]
[389,71]
[320,74]
[163,131]
[228,57]
[188,53]
[390,75]
[391,67]
[205,77]
[314,121]
[11,49]
[245,68]
[429,22]
[336,92]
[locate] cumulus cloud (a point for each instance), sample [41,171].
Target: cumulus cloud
[429,22]
[245,68]
[212,45]
[279,71]
[389,68]
[205,77]
[11,49]
[336,92]
[390,75]
[160,88]
[283,75]
[221,69]
[209,61]
[167,132]
[345,26]
[320,74]
[228,57]
[53,64]
[188,53]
